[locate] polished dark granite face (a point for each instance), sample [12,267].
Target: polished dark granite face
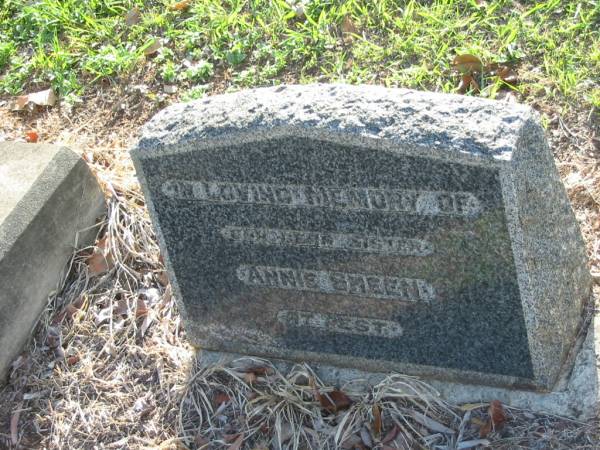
[343,251]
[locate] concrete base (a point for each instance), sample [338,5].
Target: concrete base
[578,396]
[47,195]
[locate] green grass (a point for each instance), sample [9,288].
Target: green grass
[71,44]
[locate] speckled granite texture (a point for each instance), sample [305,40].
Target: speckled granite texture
[372,228]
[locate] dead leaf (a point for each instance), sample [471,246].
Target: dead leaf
[31,137]
[182,5]
[467,82]
[43,98]
[348,26]
[238,443]
[258,370]
[507,75]
[100,260]
[122,308]
[200,441]
[497,414]
[141,310]
[391,435]
[431,424]
[133,16]
[334,401]
[153,48]
[14,424]
[71,360]
[220,397]
[162,277]
[98,264]
[40,98]
[20,102]
[467,64]
[169,89]
[485,429]
[376,423]
[496,420]
[250,378]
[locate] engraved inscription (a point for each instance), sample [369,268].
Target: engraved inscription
[329,282]
[430,203]
[341,324]
[387,245]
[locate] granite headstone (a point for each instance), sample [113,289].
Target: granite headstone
[359,226]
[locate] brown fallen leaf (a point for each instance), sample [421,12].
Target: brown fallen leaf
[182,5]
[259,370]
[250,378]
[485,429]
[122,308]
[133,16]
[200,441]
[100,260]
[40,98]
[141,310]
[220,397]
[467,82]
[14,424]
[376,423]
[31,137]
[71,360]
[497,414]
[153,47]
[497,418]
[348,26]
[507,75]
[467,64]
[331,402]
[391,435]
[335,401]
[162,277]
[238,443]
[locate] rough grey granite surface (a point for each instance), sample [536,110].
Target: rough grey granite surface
[578,397]
[47,196]
[373,228]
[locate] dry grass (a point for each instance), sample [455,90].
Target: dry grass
[109,365]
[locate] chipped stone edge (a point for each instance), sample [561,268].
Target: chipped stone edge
[448,124]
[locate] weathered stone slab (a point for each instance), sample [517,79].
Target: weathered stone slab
[47,194]
[373,228]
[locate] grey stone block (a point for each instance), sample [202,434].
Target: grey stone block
[47,195]
[369,228]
